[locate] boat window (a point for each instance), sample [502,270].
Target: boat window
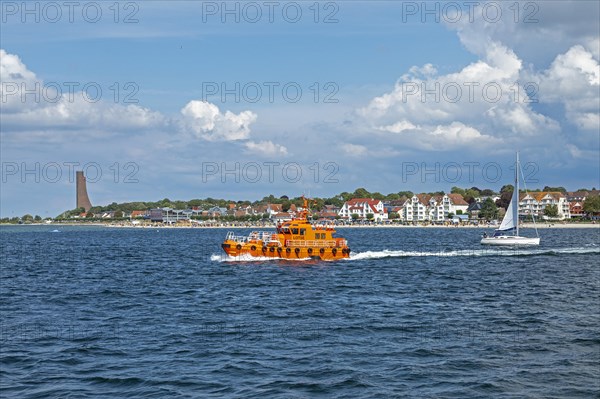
[294,231]
[302,231]
[286,230]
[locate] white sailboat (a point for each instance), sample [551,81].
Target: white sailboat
[508,232]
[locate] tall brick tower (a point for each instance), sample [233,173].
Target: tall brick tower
[83,201]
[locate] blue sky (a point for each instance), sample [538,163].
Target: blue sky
[366,126]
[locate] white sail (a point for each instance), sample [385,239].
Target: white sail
[511,218]
[509,221]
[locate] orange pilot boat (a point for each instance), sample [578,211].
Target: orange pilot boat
[294,239]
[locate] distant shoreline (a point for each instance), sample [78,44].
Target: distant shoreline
[558,225]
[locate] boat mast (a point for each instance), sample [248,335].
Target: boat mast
[516,195]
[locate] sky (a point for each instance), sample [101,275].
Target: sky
[240,100]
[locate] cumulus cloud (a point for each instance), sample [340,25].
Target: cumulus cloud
[267,148]
[28,103]
[574,80]
[496,101]
[204,120]
[536,31]
[354,149]
[52,108]
[480,105]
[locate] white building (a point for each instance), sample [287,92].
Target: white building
[362,207]
[422,207]
[535,203]
[415,209]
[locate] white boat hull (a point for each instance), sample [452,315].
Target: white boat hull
[510,240]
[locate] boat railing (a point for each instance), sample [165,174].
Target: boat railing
[316,243]
[264,236]
[232,237]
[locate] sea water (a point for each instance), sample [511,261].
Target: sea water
[415,312]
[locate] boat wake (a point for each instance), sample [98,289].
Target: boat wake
[472,252]
[250,258]
[388,253]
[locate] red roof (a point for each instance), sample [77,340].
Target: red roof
[424,198]
[356,201]
[457,199]
[276,207]
[283,215]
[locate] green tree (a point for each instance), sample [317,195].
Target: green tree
[361,193]
[345,196]
[591,206]
[470,195]
[393,215]
[89,215]
[551,211]
[118,214]
[355,216]
[27,218]
[505,198]
[37,218]
[457,190]
[489,210]
[377,196]
[370,216]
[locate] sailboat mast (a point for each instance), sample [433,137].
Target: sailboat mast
[516,195]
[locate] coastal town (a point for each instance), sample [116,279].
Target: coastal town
[418,209]
[460,207]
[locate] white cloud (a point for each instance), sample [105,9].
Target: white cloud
[51,108]
[495,102]
[354,149]
[536,31]
[267,148]
[204,120]
[397,127]
[483,104]
[56,111]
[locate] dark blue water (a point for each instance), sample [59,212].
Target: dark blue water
[417,313]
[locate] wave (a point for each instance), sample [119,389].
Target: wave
[471,252]
[389,253]
[250,258]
